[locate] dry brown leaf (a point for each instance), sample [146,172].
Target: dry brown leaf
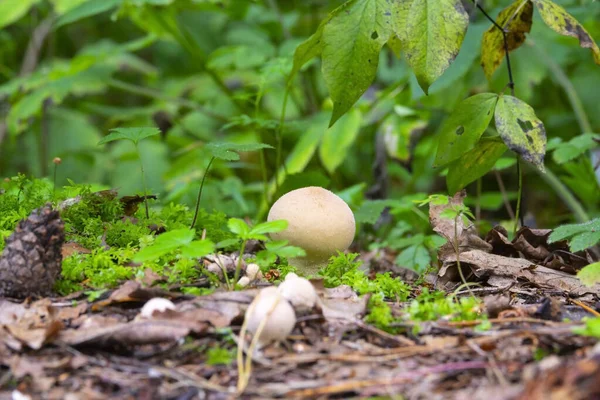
[484,265]
[133,333]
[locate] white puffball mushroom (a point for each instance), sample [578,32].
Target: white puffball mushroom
[319,221]
[156,304]
[253,271]
[299,292]
[280,317]
[243,281]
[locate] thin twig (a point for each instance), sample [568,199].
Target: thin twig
[511,83]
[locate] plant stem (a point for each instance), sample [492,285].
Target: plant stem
[565,82]
[200,192]
[511,83]
[518,215]
[143,180]
[279,138]
[238,266]
[565,194]
[54,181]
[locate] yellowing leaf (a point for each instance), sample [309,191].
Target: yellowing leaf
[560,21]
[461,131]
[521,130]
[516,20]
[431,32]
[352,40]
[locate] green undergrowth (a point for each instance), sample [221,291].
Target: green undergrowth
[119,243]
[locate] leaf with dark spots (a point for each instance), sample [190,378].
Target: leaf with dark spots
[561,22]
[526,126]
[374,35]
[431,33]
[516,19]
[461,131]
[521,130]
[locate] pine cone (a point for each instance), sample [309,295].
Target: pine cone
[32,259]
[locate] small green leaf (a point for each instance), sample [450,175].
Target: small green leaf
[563,23]
[352,40]
[581,236]
[165,243]
[461,131]
[370,211]
[474,164]
[415,257]
[521,130]
[592,328]
[12,10]
[269,227]
[590,274]
[574,148]
[132,134]
[85,10]
[198,248]
[431,32]
[239,227]
[584,240]
[516,19]
[229,151]
[338,139]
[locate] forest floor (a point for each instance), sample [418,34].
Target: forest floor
[528,340]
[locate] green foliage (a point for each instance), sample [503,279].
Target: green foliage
[181,240]
[590,274]
[229,151]
[219,356]
[580,236]
[574,148]
[134,135]
[100,269]
[431,306]
[591,328]
[431,34]
[475,164]
[463,128]
[343,270]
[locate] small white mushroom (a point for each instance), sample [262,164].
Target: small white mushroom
[318,221]
[156,304]
[299,292]
[243,281]
[253,271]
[279,316]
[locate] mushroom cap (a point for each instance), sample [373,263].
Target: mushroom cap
[280,315]
[253,271]
[156,304]
[299,292]
[319,221]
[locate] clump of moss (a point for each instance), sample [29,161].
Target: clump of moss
[99,269]
[343,269]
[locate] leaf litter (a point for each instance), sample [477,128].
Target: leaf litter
[526,348]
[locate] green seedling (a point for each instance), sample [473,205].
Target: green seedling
[134,135]
[227,152]
[181,240]
[244,233]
